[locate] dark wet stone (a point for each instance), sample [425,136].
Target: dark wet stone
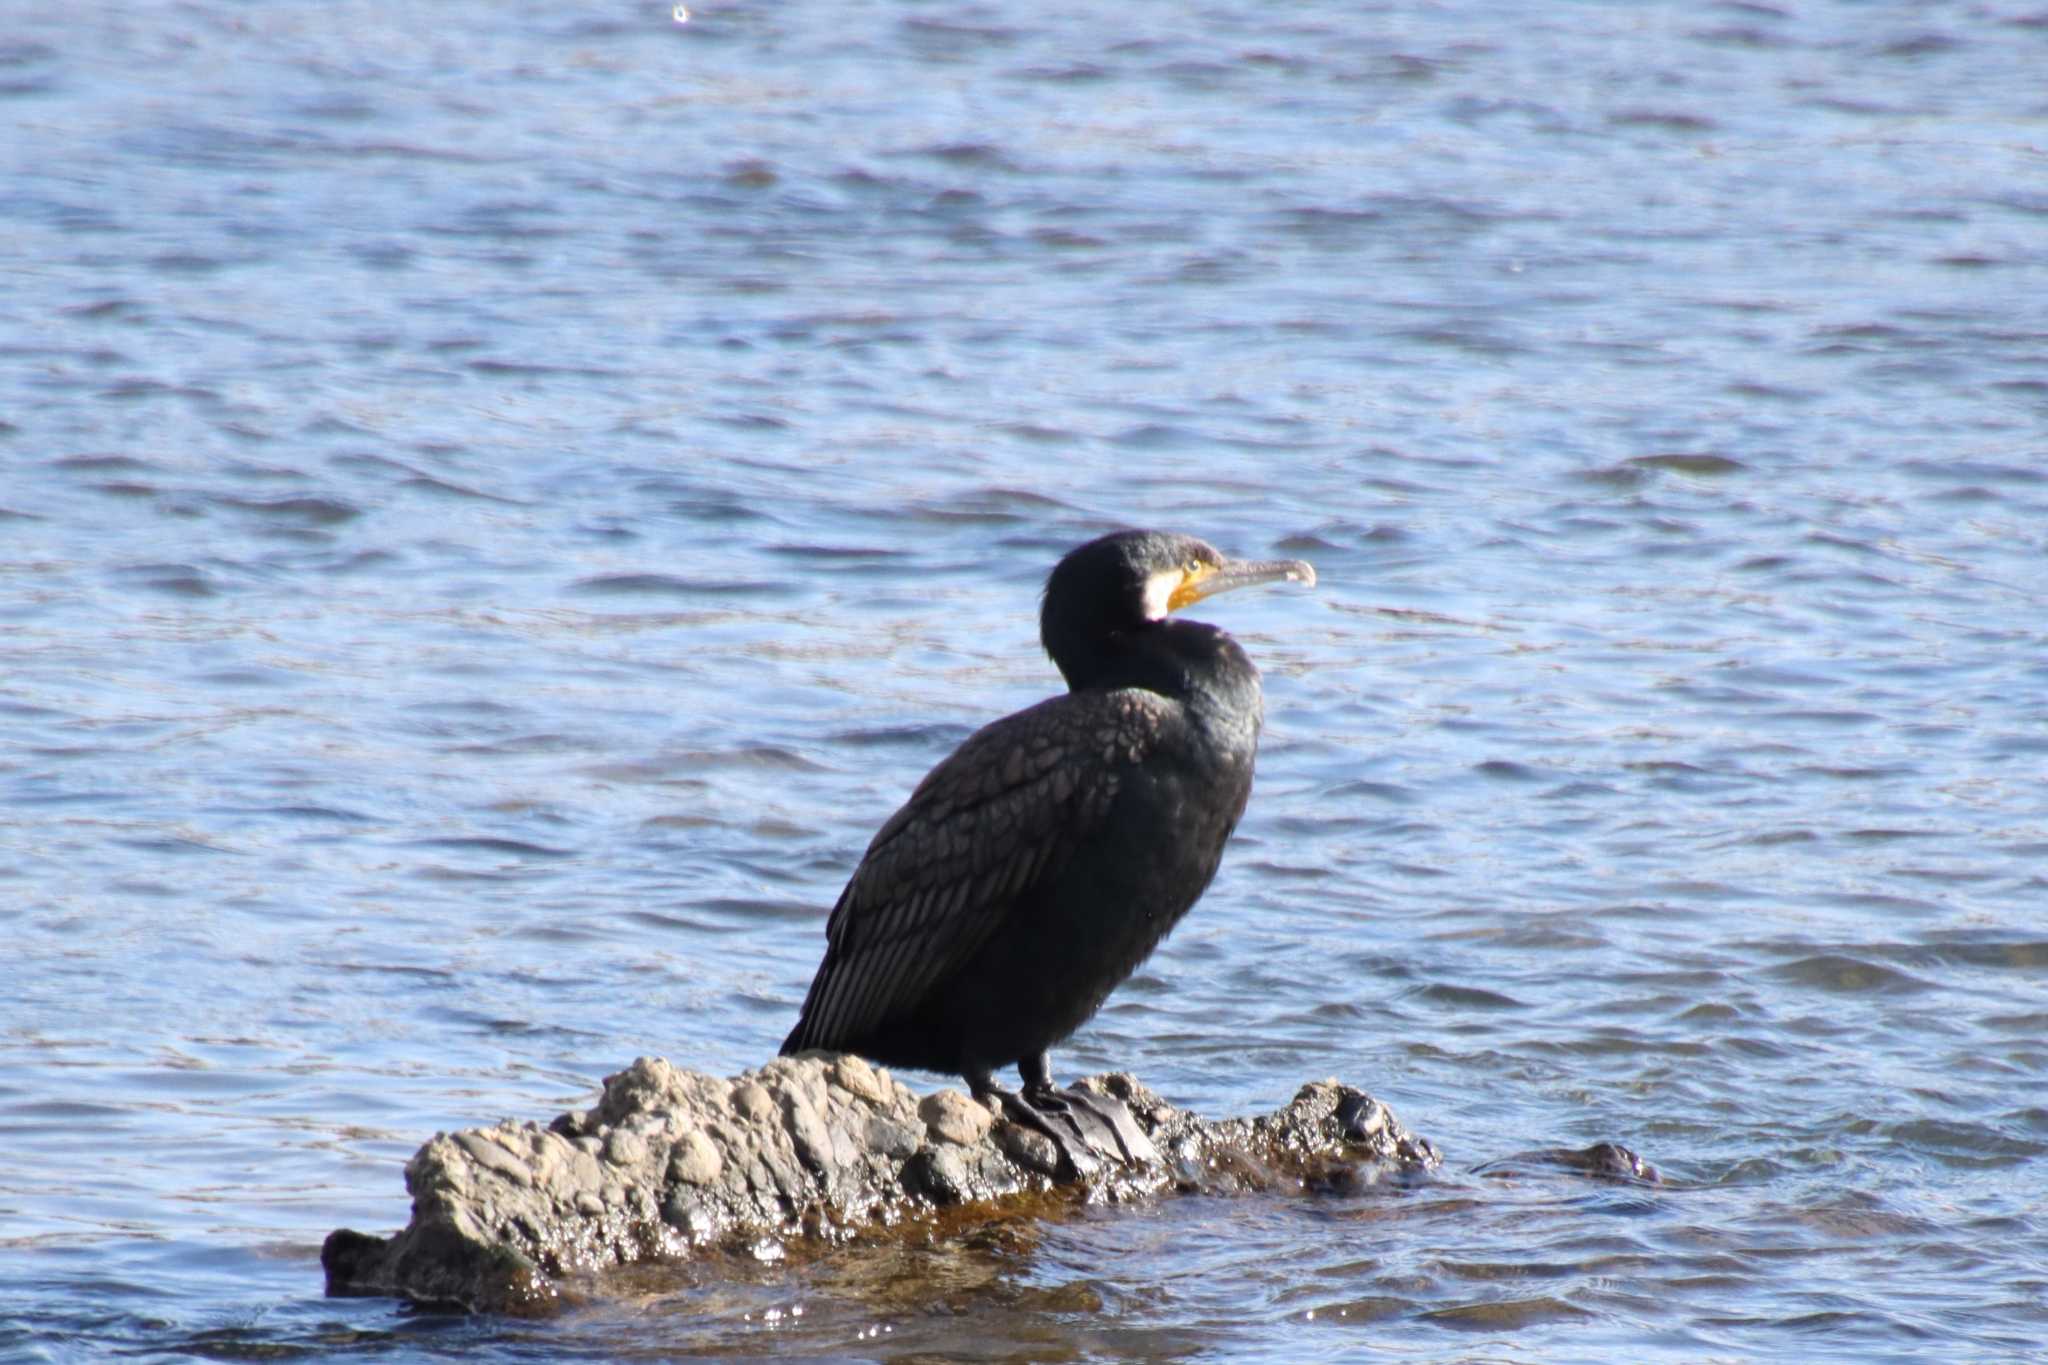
[1602,1161]
[940,1175]
[811,1151]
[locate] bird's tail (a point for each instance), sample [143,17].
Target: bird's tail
[795,1042]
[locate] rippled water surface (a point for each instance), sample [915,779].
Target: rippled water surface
[497,505]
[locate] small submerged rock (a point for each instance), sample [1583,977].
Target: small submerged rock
[806,1151]
[1608,1161]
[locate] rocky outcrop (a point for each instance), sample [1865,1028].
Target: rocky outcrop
[807,1152]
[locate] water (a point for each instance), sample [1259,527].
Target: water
[498,506]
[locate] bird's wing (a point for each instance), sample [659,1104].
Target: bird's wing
[1003,812]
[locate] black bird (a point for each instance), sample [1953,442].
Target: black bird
[1034,869]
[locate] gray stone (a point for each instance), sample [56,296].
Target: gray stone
[1031,1150]
[940,1175]
[625,1148]
[494,1158]
[814,1144]
[816,1148]
[890,1138]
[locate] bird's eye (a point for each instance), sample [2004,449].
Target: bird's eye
[1192,567]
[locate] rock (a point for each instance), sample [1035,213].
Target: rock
[752,1102]
[814,1145]
[808,1151]
[1033,1151]
[1602,1161]
[891,1138]
[940,1175]
[694,1160]
[950,1116]
[494,1158]
[852,1074]
[624,1148]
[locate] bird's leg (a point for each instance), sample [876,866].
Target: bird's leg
[1038,1087]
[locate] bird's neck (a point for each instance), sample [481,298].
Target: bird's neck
[1197,665]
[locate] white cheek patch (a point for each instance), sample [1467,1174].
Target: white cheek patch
[1159,588]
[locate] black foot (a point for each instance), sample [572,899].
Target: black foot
[1045,1098]
[1076,1159]
[1105,1124]
[1084,1129]
[1047,1113]
[1113,1117]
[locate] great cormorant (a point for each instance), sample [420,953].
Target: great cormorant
[1034,869]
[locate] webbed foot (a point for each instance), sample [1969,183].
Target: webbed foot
[1085,1129]
[1048,1115]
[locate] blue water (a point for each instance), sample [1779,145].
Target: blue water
[495,508]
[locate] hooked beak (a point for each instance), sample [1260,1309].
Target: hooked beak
[1208,580]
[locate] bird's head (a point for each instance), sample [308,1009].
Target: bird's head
[1123,581]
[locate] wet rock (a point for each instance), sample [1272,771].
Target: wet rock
[940,1175]
[1602,1161]
[1030,1150]
[890,1138]
[807,1151]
